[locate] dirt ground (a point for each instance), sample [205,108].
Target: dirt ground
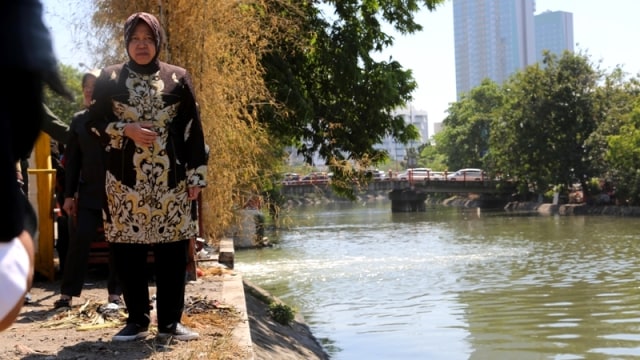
[84,332]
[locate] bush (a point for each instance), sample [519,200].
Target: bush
[281,313]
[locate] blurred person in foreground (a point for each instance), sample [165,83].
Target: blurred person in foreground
[59,132]
[28,62]
[84,200]
[145,113]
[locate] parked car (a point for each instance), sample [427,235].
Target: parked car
[316,177]
[468,174]
[377,175]
[436,176]
[290,178]
[414,174]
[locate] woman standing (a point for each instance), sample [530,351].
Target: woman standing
[145,113]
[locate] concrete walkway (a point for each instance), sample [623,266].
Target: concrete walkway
[233,294]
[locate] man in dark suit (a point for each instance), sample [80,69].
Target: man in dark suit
[84,199]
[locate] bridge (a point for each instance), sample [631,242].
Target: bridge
[408,196]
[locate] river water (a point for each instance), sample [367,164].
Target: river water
[453,283]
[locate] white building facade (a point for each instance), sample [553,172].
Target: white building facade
[398,151]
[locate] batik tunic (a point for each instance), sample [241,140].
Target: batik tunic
[146,186]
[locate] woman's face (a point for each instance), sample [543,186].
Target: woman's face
[142,45]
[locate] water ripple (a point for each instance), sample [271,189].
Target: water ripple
[449,284]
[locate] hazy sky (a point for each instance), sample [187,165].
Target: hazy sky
[606,30]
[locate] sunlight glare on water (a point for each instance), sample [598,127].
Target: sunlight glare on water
[455,284]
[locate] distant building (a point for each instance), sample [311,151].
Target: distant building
[295,159]
[419,119]
[437,127]
[396,150]
[554,32]
[493,39]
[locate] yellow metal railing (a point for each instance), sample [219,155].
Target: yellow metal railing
[42,198]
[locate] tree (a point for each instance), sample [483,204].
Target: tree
[541,136]
[623,156]
[611,153]
[465,137]
[60,106]
[340,101]
[431,158]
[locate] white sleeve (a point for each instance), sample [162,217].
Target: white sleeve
[14,273]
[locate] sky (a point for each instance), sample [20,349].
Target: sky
[606,31]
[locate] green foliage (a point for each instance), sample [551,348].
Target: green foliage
[593,186]
[624,158]
[466,134]
[616,98]
[431,158]
[551,124]
[340,100]
[281,313]
[540,137]
[60,106]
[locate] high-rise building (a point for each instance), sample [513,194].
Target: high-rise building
[554,32]
[398,151]
[493,39]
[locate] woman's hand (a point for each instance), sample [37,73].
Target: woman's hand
[140,133]
[194,191]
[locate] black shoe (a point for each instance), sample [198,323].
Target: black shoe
[180,332]
[62,303]
[131,332]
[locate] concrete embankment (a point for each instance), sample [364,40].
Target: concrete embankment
[258,335]
[485,202]
[572,209]
[538,207]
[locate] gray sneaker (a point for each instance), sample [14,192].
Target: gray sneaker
[131,332]
[180,332]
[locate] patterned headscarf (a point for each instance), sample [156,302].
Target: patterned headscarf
[150,20]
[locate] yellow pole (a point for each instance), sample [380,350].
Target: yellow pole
[45,187]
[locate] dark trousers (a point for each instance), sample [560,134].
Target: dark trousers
[62,242]
[82,232]
[170,261]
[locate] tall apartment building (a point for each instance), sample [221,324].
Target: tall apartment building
[493,39]
[554,32]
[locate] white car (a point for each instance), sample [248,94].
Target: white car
[414,174]
[377,175]
[437,176]
[469,174]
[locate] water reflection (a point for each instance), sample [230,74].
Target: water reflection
[456,284]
